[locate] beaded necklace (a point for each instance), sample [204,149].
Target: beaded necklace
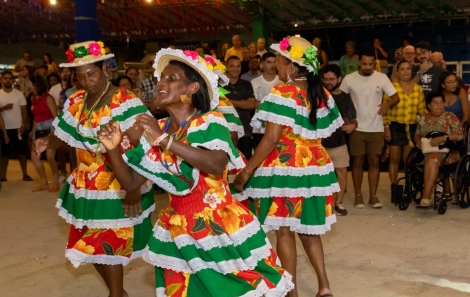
[178,135]
[87,118]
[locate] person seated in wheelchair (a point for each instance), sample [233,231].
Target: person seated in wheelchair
[436,147]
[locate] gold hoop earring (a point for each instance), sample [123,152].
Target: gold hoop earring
[186,99]
[289,79]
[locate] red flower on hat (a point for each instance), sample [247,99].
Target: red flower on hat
[194,55]
[284,44]
[94,49]
[70,55]
[209,60]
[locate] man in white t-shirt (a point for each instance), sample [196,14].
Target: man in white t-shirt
[262,85]
[58,88]
[13,110]
[366,88]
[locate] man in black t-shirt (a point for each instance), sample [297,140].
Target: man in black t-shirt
[428,74]
[336,144]
[242,97]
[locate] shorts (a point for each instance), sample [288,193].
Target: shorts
[361,143]
[43,129]
[399,134]
[20,146]
[339,156]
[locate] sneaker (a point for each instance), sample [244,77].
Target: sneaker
[374,202]
[340,210]
[359,202]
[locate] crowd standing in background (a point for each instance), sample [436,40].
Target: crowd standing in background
[426,69]
[301,121]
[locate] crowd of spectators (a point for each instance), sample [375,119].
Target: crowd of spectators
[380,105]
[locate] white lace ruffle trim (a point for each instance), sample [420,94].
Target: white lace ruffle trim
[227,110]
[78,258]
[262,116]
[240,196]
[287,192]
[209,241]
[105,195]
[233,127]
[295,171]
[282,288]
[299,109]
[211,118]
[70,120]
[196,264]
[68,139]
[274,223]
[217,144]
[157,167]
[102,224]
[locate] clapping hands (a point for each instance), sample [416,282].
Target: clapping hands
[110,135]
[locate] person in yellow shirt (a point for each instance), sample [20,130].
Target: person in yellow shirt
[236,49]
[400,121]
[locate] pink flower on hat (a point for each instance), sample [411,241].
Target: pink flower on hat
[209,60]
[70,55]
[94,49]
[192,54]
[284,44]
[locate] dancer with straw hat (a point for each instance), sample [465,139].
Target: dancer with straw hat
[205,242]
[109,226]
[290,171]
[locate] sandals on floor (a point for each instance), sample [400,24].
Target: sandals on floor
[53,188]
[425,205]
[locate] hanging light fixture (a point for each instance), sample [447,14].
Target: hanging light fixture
[53,2]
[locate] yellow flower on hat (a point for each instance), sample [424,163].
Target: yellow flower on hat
[209,66]
[220,67]
[296,52]
[101,44]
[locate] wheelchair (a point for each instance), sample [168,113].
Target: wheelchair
[458,173]
[462,179]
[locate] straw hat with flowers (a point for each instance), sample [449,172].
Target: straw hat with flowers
[211,69]
[87,52]
[298,50]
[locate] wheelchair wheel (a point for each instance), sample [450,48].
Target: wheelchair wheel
[416,187]
[403,205]
[442,208]
[462,182]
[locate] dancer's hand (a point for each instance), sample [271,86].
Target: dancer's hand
[241,180]
[132,206]
[110,135]
[40,145]
[150,126]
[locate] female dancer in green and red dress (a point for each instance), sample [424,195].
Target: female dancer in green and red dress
[205,242]
[290,171]
[109,227]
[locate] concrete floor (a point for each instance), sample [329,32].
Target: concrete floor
[386,253]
